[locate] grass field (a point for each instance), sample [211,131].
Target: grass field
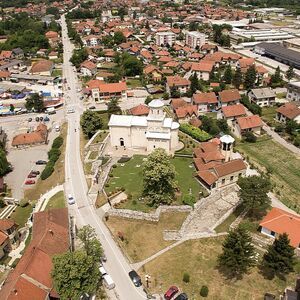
[57,177]
[57,201]
[199,259]
[133,83]
[268,114]
[21,215]
[189,144]
[283,166]
[130,177]
[143,239]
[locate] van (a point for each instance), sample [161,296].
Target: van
[102,271]
[70,110]
[57,128]
[108,282]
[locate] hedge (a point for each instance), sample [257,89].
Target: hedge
[195,132]
[57,143]
[47,171]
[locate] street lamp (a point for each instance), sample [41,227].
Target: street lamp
[147,279]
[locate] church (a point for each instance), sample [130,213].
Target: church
[145,132]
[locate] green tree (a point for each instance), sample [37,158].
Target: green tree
[75,273]
[237,78]
[194,83]
[79,56]
[34,101]
[250,137]
[119,37]
[4,164]
[280,257]
[250,78]
[227,78]
[174,93]
[159,178]
[291,126]
[253,193]
[276,78]
[90,123]
[113,107]
[238,253]
[290,73]
[132,66]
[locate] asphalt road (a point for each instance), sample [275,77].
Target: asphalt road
[116,265]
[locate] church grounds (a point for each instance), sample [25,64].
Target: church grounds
[129,177]
[198,258]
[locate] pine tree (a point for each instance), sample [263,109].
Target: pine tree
[250,78]
[194,83]
[227,77]
[280,257]
[238,253]
[237,78]
[290,74]
[276,78]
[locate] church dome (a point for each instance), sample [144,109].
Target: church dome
[156,103]
[227,139]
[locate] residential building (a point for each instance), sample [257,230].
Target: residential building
[5,247]
[178,83]
[165,38]
[229,97]
[42,67]
[31,278]
[262,96]
[246,124]
[10,228]
[195,39]
[293,91]
[231,112]
[279,221]
[18,53]
[88,68]
[288,112]
[91,41]
[185,113]
[201,69]
[152,72]
[206,102]
[102,91]
[145,133]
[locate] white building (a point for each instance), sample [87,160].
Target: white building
[165,38]
[145,132]
[194,39]
[293,91]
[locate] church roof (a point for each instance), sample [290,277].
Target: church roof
[156,103]
[127,121]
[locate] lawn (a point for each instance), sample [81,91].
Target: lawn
[199,259]
[130,177]
[57,177]
[268,115]
[282,164]
[56,201]
[105,119]
[93,155]
[100,137]
[133,83]
[142,239]
[21,215]
[189,144]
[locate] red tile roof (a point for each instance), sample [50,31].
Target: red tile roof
[230,167]
[202,67]
[6,224]
[140,110]
[281,221]
[178,102]
[88,65]
[41,66]
[3,237]
[249,122]
[188,110]
[289,110]
[202,98]
[229,96]
[112,87]
[233,110]
[207,177]
[38,136]
[177,81]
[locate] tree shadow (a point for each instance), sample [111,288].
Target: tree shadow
[270,274]
[228,274]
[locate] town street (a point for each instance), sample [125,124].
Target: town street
[83,211]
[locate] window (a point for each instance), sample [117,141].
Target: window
[231,178]
[223,181]
[273,233]
[240,174]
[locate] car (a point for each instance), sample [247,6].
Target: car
[171,292]
[103,258]
[30,119]
[29,181]
[70,110]
[53,112]
[37,119]
[46,119]
[40,162]
[71,199]
[92,107]
[35,172]
[182,296]
[31,175]
[136,279]
[41,119]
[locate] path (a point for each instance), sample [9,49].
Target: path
[277,203]
[43,201]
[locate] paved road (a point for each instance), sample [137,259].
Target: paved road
[116,265]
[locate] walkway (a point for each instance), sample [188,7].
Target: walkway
[43,201]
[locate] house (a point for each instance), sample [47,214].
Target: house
[178,83]
[31,278]
[145,132]
[177,102]
[9,236]
[53,38]
[42,67]
[262,96]
[246,124]
[4,244]
[201,69]
[278,221]
[102,91]
[88,68]
[18,53]
[152,72]
[214,163]
[194,39]
[140,110]
[293,91]
[232,112]
[229,97]
[206,102]
[185,113]
[288,112]
[53,55]
[165,38]
[39,136]
[6,55]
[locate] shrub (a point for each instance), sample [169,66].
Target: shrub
[188,200]
[107,185]
[47,171]
[54,154]
[57,143]
[124,159]
[195,132]
[204,291]
[2,203]
[186,277]
[23,203]
[111,175]
[250,137]
[121,236]
[114,166]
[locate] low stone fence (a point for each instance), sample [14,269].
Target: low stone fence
[152,217]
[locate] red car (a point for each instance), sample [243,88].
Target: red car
[29,181]
[171,292]
[31,175]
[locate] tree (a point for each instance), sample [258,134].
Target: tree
[276,78]
[290,74]
[238,253]
[227,78]
[291,126]
[119,38]
[159,178]
[280,257]
[253,193]
[75,273]
[250,78]
[34,101]
[132,66]
[90,123]
[194,83]
[174,93]
[113,108]
[237,78]
[79,56]
[193,26]
[4,164]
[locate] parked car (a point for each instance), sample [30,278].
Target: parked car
[35,172]
[102,271]
[40,162]
[108,282]
[71,199]
[182,296]
[51,112]
[31,175]
[41,119]
[30,119]
[37,119]
[136,279]
[103,258]
[46,119]
[92,107]
[29,181]
[171,292]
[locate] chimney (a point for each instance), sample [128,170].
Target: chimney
[15,292]
[51,232]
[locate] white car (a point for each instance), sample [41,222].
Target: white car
[71,199]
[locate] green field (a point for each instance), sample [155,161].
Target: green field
[56,201]
[21,215]
[283,166]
